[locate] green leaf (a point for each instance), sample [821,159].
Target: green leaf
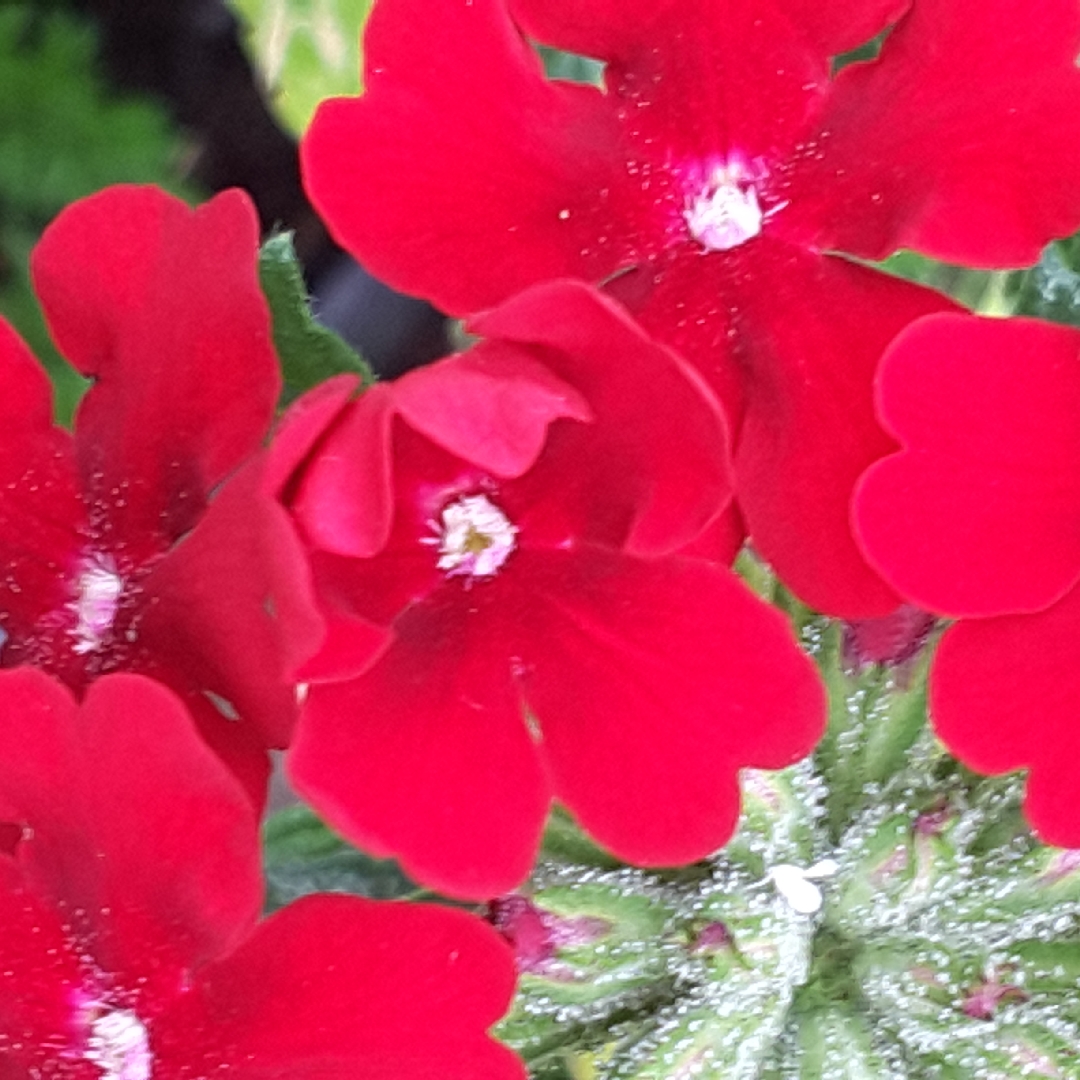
[302,855]
[985,291]
[309,353]
[305,50]
[875,717]
[570,67]
[1050,289]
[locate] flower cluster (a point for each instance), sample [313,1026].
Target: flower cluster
[723,178]
[154,603]
[505,579]
[516,516]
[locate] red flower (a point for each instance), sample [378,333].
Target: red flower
[131,947]
[709,184]
[114,557]
[977,518]
[511,513]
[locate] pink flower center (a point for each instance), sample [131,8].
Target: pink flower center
[476,537]
[97,598]
[118,1044]
[725,213]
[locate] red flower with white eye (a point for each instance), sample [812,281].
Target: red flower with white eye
[142,541]
[977,518]
[132,945]
[717,183]
[514,515]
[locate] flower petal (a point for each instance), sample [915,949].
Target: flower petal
[620,29]
[813,329]
[653,682]
[231,607]
[980,513]
[706,80]
[336,987]
[343,499]
[962,141]
[41,515]
[161,305]
[158,850]
[836,26]
[41,965]
[491,406]
[426,756]
[1003,696]
[307,420]
[658,446]
[506,189]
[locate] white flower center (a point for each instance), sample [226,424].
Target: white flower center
[99,589]
[726,213]
[119,1046]
[476,537]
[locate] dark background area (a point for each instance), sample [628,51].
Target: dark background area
[187,55]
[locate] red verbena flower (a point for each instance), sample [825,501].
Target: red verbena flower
[976,519]
[711,182]
[113,554]
[511,513]
[132,948]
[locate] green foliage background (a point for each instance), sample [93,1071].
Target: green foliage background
[63,134]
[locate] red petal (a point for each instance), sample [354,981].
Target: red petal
[658,447]
[350,646]
[980,514]
[41,967]
[654,682]
[1003,696]
[835,26]
[609,30]
[306,422]
[466,158]
[694,87]
[813,329]
[335,987]
[622,29]
[722,541]
[161,306]
[962,141]
[239,745]
[426,756]
[233,610]
[343,499]
[491,406]
[41,515]
[159,849]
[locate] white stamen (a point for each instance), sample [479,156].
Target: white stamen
[726,213]
[477,537]
[100,586]
[119,1045]
[797,886]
